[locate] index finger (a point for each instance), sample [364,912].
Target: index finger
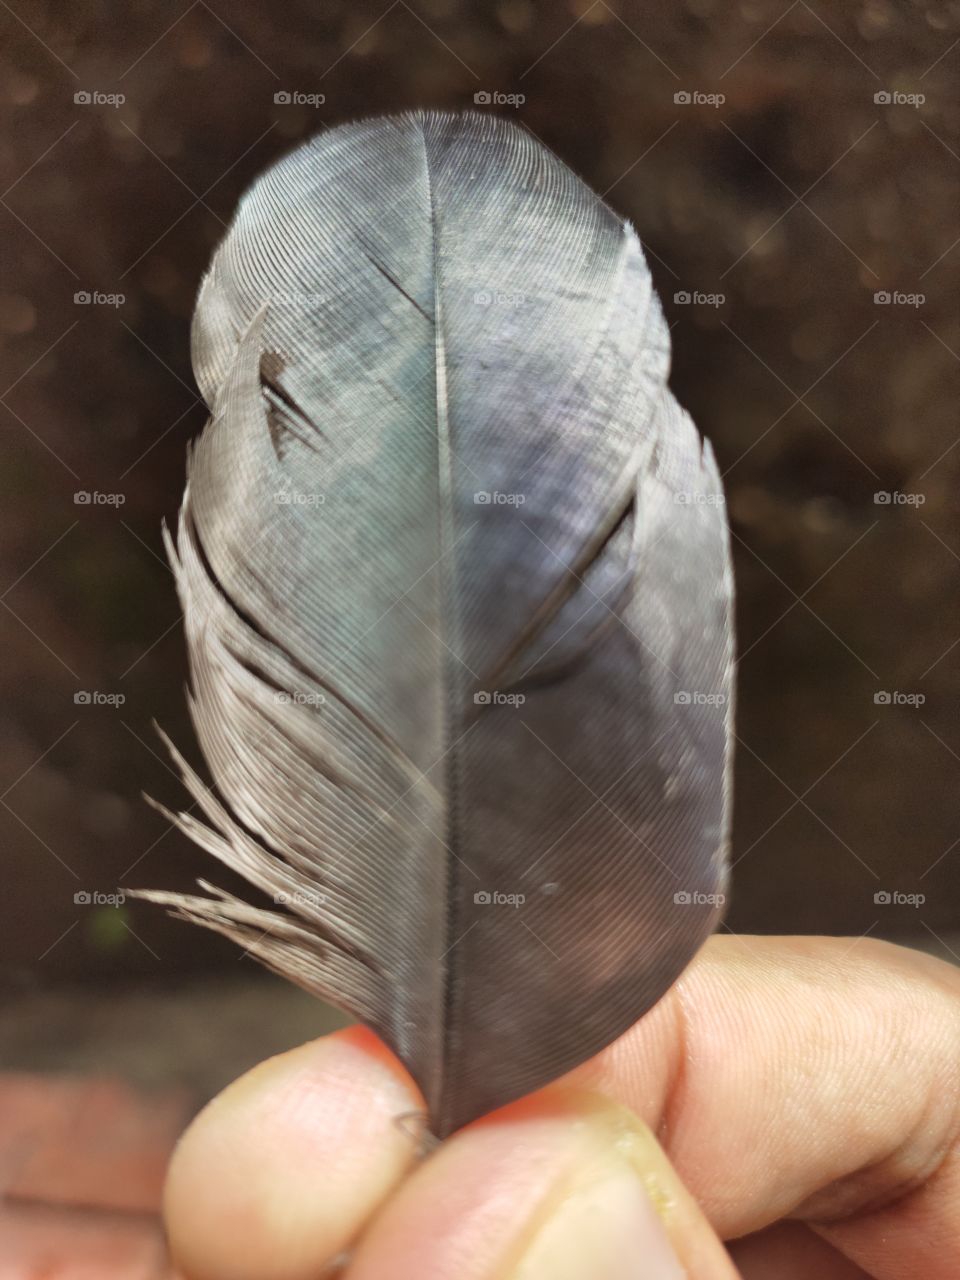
[812,1078]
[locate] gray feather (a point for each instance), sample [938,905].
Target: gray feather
[456,584]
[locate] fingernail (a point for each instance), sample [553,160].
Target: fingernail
[602,1218]
[604,1228]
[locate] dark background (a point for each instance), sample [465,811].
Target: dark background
[798,198]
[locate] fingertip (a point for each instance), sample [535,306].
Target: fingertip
[563,1183]
[276,1176]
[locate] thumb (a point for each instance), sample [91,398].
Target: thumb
[278,1174]
[564,1185]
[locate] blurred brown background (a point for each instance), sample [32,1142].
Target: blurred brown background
[788,166]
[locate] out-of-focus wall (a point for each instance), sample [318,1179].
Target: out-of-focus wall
[793,171]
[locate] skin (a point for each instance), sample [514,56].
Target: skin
[804,1094]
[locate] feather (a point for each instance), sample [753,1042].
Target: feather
[455,576]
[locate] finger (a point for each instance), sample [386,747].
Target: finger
[791,1251]
[793,1076]
[809,1078]
[279,1173]
[562,1186]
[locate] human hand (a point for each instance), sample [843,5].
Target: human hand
[806,1097]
